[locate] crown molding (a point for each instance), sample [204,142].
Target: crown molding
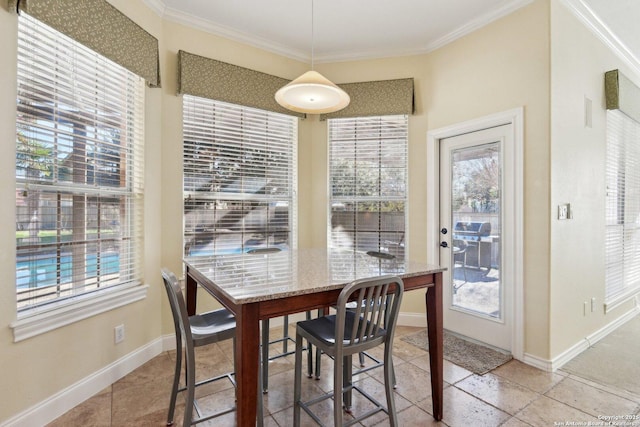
[207,26]
[477,23]
[588,17]
[157,6]
[198,23]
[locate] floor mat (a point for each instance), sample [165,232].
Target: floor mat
[471,356]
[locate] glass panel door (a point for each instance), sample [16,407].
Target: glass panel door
[477,286]
[475,220]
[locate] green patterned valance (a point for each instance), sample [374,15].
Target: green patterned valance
[209,78]
[101,27]
[379,98]
[622,94]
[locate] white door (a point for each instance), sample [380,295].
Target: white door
[474,184]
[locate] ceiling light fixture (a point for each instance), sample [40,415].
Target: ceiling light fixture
[312,92]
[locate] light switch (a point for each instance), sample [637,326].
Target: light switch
[564,211]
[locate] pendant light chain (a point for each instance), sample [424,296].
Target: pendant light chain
[312,38]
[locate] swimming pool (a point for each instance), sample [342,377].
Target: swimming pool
[42,272]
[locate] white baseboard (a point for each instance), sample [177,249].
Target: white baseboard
[537,362]
[418,320]
[70,397]
[61,402]
[564,357]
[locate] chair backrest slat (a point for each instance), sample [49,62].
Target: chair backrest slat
[365,331]
[376,309]
[379,310]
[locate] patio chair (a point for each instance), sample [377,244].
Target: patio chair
[460,257]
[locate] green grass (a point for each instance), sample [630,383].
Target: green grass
[21,234]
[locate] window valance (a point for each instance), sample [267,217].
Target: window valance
[377,98]
[622,94]
[213,79]
[101,27]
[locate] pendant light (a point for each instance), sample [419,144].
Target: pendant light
[312,92]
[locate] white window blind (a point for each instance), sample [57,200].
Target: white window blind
[79,169]
[622,207]
[368,183]
[240,178]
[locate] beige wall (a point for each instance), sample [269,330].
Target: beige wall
[579,61]
[37,368]
[497,68]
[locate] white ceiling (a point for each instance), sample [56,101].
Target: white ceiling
[358,29]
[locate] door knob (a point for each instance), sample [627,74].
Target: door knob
[444,244]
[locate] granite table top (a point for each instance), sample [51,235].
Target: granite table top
[272,274]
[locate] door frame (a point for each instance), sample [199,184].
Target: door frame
[515,118]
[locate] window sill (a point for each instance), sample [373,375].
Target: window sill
[621,299]
[36,323]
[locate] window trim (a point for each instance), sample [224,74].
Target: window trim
[56,315]
[615,302]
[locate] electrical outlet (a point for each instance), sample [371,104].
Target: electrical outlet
[119,333]
[593,304]
[584,308]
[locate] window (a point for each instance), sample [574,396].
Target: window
[239,178]
[622,208]
[368,183]
[78,170]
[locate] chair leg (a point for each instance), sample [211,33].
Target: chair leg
[393,375]
[176,379]
[318,362]
[338,379]
[190,365]
[361,359]
[265,355]
[321,312]
[285,334]
[389,383]
[309,353]
[464,266]
[347,380]
[297,386]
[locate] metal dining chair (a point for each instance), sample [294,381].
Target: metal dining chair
[197,330]
[285,339]
[350,331]
[362,357]
[267,342]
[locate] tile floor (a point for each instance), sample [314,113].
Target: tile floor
[512,395]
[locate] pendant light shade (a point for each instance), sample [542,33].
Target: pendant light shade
[312,93]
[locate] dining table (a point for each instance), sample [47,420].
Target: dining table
[271,282]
